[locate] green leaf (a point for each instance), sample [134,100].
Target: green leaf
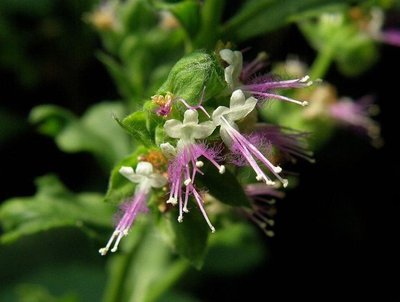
[52,206]
[261,16]
[37,293]
[51,119]
[225,187]
[235,249]
[95,132]
[119,188]
[358,58]
[189,238]
[136,125]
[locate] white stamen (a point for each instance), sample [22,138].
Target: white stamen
[103,251]
[304,103]
[180,218]
[270,222]
[270,182]
[121,234]
[212,229]
[187,181]
[285,182]
[185,209]
[221,169]
[277,169]
[199,164]
[270,233]
[304,79]
[172,201]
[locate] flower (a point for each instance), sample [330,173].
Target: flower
[145,179]
[225,117]
[291,143]
[262,200]
[371,22]
[261,87]
[390,36]
[104,17]
[166,102]
[185,160]
[357,114]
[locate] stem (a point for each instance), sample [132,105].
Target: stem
[210,19]
[169,279]
[322,63]
[120,266]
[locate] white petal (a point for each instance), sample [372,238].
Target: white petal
[173,128]
[216,116]
[229,76]
[237,99]
[235,61]
[191,116]
[144,168]
[226,55]
[157,180]
[168,150]
[203,130]
[130,174]
[124,170]
[225,137]
[242,111]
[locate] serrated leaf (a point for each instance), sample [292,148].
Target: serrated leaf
[95,132]
[225,187]
[136,125]
[119,188]
[52,206]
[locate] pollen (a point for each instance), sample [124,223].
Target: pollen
[161,100]
[156,158]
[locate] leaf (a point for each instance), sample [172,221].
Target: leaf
[136,125]
[225,187]
[37,293]
[95,132]
[52,206]
[235,249]
[118,72]
[261,16]
[358,58]
[119,188]
[189,238]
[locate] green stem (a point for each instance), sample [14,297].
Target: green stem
[210,19]
[174,273]
[322,63]
[120,265]
[114,289]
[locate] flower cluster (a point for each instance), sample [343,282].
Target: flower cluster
[222,136]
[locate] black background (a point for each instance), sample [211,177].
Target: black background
[336,233]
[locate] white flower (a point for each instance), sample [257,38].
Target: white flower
[239,107]
[232,72]
[190,129]
[144,177]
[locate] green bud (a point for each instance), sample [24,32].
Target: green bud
[191,74]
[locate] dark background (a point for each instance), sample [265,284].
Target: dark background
[336,233]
